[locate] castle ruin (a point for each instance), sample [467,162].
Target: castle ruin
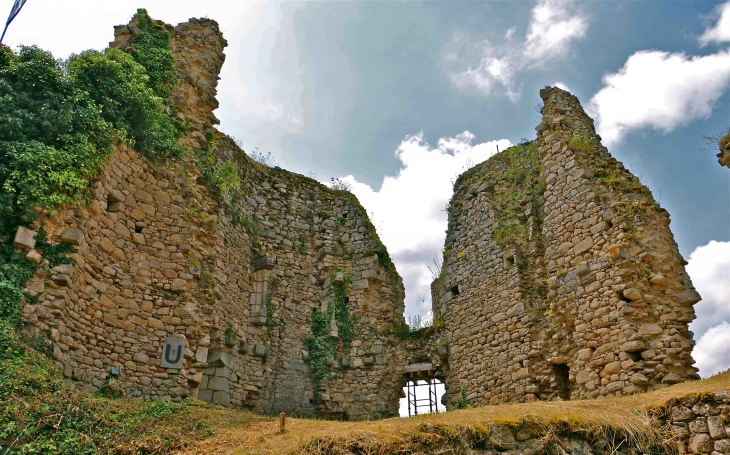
[561,276]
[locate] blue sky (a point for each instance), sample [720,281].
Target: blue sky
[398,97]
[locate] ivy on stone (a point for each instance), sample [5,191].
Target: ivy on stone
[320,345]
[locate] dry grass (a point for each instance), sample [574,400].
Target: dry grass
[626,415]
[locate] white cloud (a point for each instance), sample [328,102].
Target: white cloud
[553,27]
[408,210]
[659,90]
[712,351]
[664,90]
[708,267]
[561,86]
[720,33]
[488,68]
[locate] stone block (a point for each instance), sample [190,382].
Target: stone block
[264,263]
[220,359]
[516,310]
[141,357]
[612,367]
[360,284]
[633,346]
[24,238]
[583,246]
[218,384]
[34,256]
[366,274]
[194,378]
[179,392]
[116,207]
[259,350]
[345,361]
[178,285]
[615,386]
[155,323]
[67,269]
[688,297]
[632,294]
[201,354]
[205,395]
[583,376]
[639,379]
[681,413]
[698,426]
[650,329]
[502,437]
[722,446]
[700,443]
[600,227]
[106,245]
[115,196]
[716,427]
[222,398]
[72,236]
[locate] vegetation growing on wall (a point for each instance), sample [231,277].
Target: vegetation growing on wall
[519,190]
[58,122]
[612,174]
[320,345]
[221,178]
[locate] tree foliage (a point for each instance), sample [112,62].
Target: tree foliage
[58,123]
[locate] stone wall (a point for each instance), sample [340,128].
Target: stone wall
[561,278]
[235,275]
[700,424]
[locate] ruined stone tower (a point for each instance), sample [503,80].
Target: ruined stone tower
[561,276]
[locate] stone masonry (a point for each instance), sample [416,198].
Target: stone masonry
[574,289]
[699,424]
[582,293]
[236,277]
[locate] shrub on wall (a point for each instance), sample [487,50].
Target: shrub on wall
[58,122]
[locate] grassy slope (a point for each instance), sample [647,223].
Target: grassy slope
[39,413]
[625,415]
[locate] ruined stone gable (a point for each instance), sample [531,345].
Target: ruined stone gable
[236,276]
[561,276]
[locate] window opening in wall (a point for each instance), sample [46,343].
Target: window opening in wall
[509,261]
[562,377]
[422,396]
[454,290]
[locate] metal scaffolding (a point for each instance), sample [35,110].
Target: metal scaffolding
[415,403]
